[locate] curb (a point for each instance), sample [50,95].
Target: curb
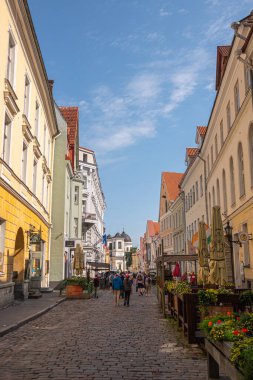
[31,318]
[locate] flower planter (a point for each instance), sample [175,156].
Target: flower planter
[214,310]
[73,291]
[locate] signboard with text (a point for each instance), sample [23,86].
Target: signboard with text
[70,243]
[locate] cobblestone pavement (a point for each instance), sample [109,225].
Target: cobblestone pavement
[93,339]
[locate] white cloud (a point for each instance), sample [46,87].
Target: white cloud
[165,13]
[183,11]
[144,87]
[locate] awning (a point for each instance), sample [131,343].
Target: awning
[98,266]
[175,258]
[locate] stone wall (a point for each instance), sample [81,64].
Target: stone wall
[6,293]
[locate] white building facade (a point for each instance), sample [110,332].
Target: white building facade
[93,207]
[119,244]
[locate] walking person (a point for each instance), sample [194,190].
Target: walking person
[140,283]
[96,285]
[148,283]
[111,277]
[116,287]
[128,289]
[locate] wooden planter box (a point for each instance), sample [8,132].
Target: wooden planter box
[218,359]
[74,291]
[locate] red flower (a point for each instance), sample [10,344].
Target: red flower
[219,321]
[238,318]
[236,332]
[229,313]
[210,324]
[244,330]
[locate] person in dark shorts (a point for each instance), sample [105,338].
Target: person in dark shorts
[96,285]
[127,288]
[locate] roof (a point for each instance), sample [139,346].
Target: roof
[200,132]
[153,228]
[191,152]
[126,237]
[172,181]
[221,63]
[89,150]
[70,114]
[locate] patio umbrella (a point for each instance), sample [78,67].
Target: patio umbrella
[78,260]
[218,273]
[177,271]
[203,271]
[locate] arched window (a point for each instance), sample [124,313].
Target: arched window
[251,152]
[214,200]
[210,207]
[218,192]
[241,170]
[224,188]
[232,181]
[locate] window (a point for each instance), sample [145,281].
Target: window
[110,246]
[190,198]
[208,164]
[47,196]
[7,139]
[212,155]
[201,185]
[210,206]
[119,245]
[114,245]
[251,152]
[221,134]
[218,192]
[248,78]
[24,162]
[34,176]
[232,181]
[193,194]
[241,170]
[85,182]
[42,189]
[214,200]
[76,227]
[224,186]
[11,60]
[84,204]
[67,223]
[84,157]
[48,152]
[36,122]
[237,98]
[26,96]
[216,146]
[44,140]
[228,117]
[76,195]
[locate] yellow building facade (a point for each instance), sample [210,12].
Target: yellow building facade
[28,129]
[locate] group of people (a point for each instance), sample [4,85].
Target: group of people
[122,284]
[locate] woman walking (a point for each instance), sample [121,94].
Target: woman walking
[127,288]
[116,287]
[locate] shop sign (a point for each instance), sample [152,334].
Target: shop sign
[70,243]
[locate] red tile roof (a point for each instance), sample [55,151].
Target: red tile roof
[202,130]
[153,228]
[172,181]
[70,114]
[191,152]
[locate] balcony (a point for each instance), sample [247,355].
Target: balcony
[89,218]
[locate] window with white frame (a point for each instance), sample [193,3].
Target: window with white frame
[11,59]
[43,189]
[85,157]
[36,121]
[2,242]
[26,96]
[76,227]
[232,181]
[119,245]
[237,97]
[7,139]
[241,170]
[24,161]
[35,162]
[76,195]
[228,117]
[47,196]
[221,134]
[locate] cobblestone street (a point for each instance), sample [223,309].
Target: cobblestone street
[93,339]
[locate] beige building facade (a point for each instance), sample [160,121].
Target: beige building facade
[28,129]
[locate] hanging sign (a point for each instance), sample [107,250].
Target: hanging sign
[70,243]
[243,237]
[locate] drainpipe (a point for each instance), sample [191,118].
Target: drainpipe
[205,181]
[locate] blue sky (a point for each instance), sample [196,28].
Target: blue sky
[142,73]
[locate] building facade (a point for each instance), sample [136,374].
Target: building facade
[152,233]
[28,129]
[93,207]
[119,245]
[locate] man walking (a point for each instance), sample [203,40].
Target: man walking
[127,288]
[116,287]
[96,285]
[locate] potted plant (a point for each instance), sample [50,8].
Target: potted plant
[75,286]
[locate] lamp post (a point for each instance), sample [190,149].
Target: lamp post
[228,232]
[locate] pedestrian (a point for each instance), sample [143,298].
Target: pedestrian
[116,287]
[96,285]
[122,276]
[111,277]
[140,283]
[148,283]
[127,288]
